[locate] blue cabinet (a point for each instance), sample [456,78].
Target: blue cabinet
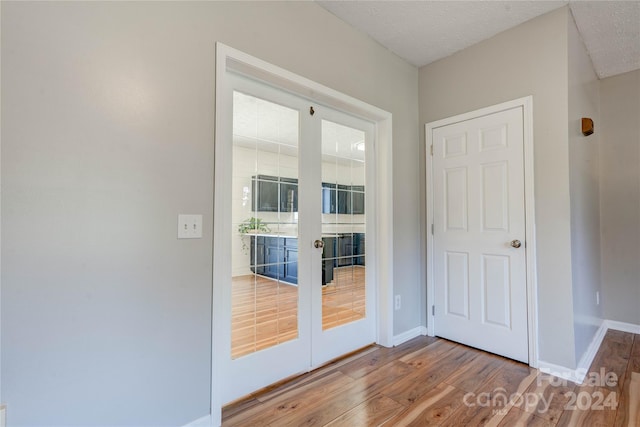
[265,193]
[291,261]
[328,261]
[342,199]
[275,257]
[274,194]
[358,248]
[346,249]
[357,199]
[288,195]
[257,254]
[329,198]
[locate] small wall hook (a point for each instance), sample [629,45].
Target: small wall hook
[587,126]
[311,111]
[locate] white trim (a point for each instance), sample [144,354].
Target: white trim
[622,326]
[587,358]
[227,57]
[409,335]
[577,375]
[560,372]
[1,217]
[201,422]
[532,282]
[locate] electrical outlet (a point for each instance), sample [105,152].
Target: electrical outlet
[597,297]
[189,226]
[398,302]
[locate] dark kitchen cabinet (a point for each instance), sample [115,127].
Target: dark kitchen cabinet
[345,250]
[274,194]
[328,261]
[275,257]
[288,195]
[257,254]
[358,248]
[280,194]
[291,261]
[265,193]
[342,199]
[357,199]
[329,198]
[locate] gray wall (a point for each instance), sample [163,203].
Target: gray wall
[585,192]
[620,196]
[108,118]
[530,59]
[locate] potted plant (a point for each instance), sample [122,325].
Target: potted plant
[249,226]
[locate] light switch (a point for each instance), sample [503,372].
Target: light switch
[189,226]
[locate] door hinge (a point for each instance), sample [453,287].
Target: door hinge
[432,149]
[433,310]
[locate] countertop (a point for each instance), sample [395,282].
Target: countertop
[285,235]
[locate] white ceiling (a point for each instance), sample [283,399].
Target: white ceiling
[262,125]
[424,31]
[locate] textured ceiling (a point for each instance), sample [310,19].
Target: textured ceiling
[611,32]
[424,31]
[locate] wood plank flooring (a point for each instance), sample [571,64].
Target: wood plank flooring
[264,311]
[434,382]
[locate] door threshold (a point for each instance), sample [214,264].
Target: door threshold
[248,400]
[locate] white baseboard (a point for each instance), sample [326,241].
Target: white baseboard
[201,422]
[622,326]
[560,371]
[587,358]
[409,335]
[577,375]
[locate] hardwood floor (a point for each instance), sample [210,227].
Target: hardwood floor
[343,299]
[435,382]
[265,311]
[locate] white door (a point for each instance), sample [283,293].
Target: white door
[343,311]
[479,230]
[293,181]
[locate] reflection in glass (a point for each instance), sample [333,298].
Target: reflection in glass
[343,224]
[264,223]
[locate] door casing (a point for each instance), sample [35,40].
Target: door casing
[532,303]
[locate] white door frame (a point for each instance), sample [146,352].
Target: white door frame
[530,243]
[228,58]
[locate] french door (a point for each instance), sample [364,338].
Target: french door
[295,207]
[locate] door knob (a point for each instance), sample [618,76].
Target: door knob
[318,244]
[516,243]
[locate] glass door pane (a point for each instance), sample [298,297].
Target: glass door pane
[343,224]
[264,225]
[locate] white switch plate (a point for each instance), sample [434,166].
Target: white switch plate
[189,226]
